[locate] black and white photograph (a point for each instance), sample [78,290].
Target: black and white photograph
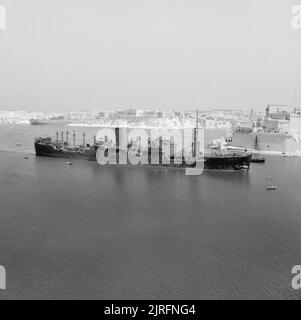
[150,153]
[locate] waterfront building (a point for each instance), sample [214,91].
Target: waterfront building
[295,124]
[281,132]
[278,112]
[276,125]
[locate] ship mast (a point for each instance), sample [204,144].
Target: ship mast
[295,97]
[84,139]
[195,134]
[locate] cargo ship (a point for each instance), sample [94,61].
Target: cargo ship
[48,147]
[51,121]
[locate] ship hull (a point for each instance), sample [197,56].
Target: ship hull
[49,151]
[36,122]
[228,162]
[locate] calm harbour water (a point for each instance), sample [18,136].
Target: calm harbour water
[93,232]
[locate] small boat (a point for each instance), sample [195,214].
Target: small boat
[271,187]
[68,163]
[240,168]
[258,159]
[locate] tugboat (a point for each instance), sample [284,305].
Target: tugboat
[258,159]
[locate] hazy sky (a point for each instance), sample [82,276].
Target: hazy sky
[165,54]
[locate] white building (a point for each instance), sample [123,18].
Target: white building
[295,125]
[276,125]
[217,124]
[278,112]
